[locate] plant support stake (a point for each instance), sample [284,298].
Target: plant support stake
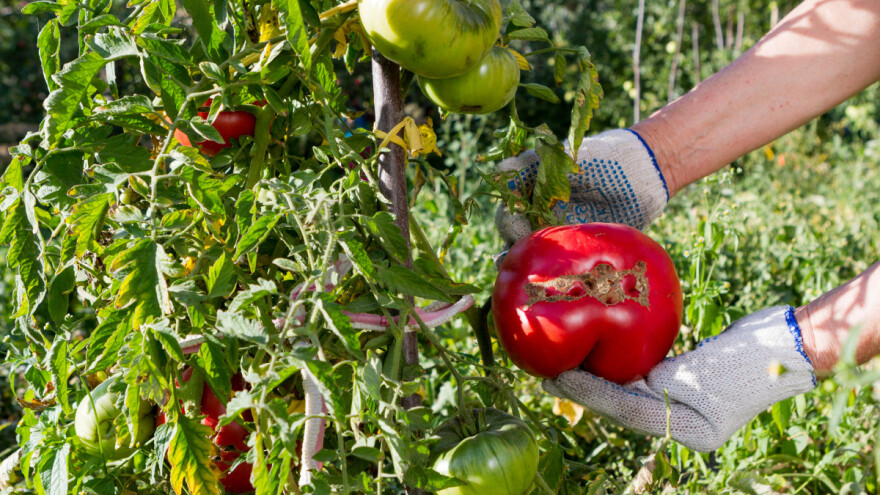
[388,100]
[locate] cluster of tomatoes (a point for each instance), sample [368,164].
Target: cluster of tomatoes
[450,46]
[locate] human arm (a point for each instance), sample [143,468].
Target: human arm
[827,321]
[820,54]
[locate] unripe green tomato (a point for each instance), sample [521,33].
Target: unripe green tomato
[432,38]
[487,87]
[95,424]
[500,458]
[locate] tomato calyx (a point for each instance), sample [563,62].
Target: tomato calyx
[603,283]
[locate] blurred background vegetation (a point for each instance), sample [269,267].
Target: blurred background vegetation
[780,226]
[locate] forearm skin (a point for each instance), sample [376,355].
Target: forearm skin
[826,322]
[819,55]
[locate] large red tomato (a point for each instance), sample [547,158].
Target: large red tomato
[231,438]
[603,297]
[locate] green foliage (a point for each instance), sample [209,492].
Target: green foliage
[122,242]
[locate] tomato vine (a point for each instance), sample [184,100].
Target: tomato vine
[137,255]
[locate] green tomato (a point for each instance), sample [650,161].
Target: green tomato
[487,87]
[432,38]
[500,458]
[95,424]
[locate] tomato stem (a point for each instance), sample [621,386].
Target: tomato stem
[339,9]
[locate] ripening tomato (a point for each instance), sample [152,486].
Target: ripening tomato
[496,456]
[485,88]
[603,297]
[432,38]
[95,423]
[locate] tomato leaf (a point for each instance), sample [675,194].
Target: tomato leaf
[530,34]
[586,99]
[382,225]
[403,280]
[113,45]
[144,286]
[190,453]
[428,479]
[340,324]
[236,325]
[297,33]
[86,222]
[61,285]
[52,469]
[221,277]
[74,83]
[542,92]
[58,366]
[560,66]
[256,234]
[552,184]
[21,232]
[106,341]
[48,43]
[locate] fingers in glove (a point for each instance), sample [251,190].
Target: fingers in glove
[512,227]
[526,166]
[637,407]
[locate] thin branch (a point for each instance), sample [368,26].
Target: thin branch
[679,37]
[637,54]
[716,19]
[695,46]
[740,27]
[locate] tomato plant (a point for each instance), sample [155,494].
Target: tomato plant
[604,297]
[494,454]
[432,38]
[97,427]
[295,261]
[484,88]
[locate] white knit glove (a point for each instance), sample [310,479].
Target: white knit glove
[619,182]
[713,390]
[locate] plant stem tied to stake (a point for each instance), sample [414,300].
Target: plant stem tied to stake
[388,100]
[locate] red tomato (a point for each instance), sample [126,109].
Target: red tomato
[232,436]
[603,297]
[230,124]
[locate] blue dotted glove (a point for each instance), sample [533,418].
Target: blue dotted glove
[619,182]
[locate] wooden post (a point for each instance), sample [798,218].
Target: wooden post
[388,101]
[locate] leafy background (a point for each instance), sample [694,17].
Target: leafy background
[779,226]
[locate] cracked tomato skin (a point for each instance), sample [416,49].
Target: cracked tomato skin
[567,323]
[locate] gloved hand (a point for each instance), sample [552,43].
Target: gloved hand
[714,390]
[619,182]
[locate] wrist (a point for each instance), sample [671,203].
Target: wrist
[822,348]
[655,139]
